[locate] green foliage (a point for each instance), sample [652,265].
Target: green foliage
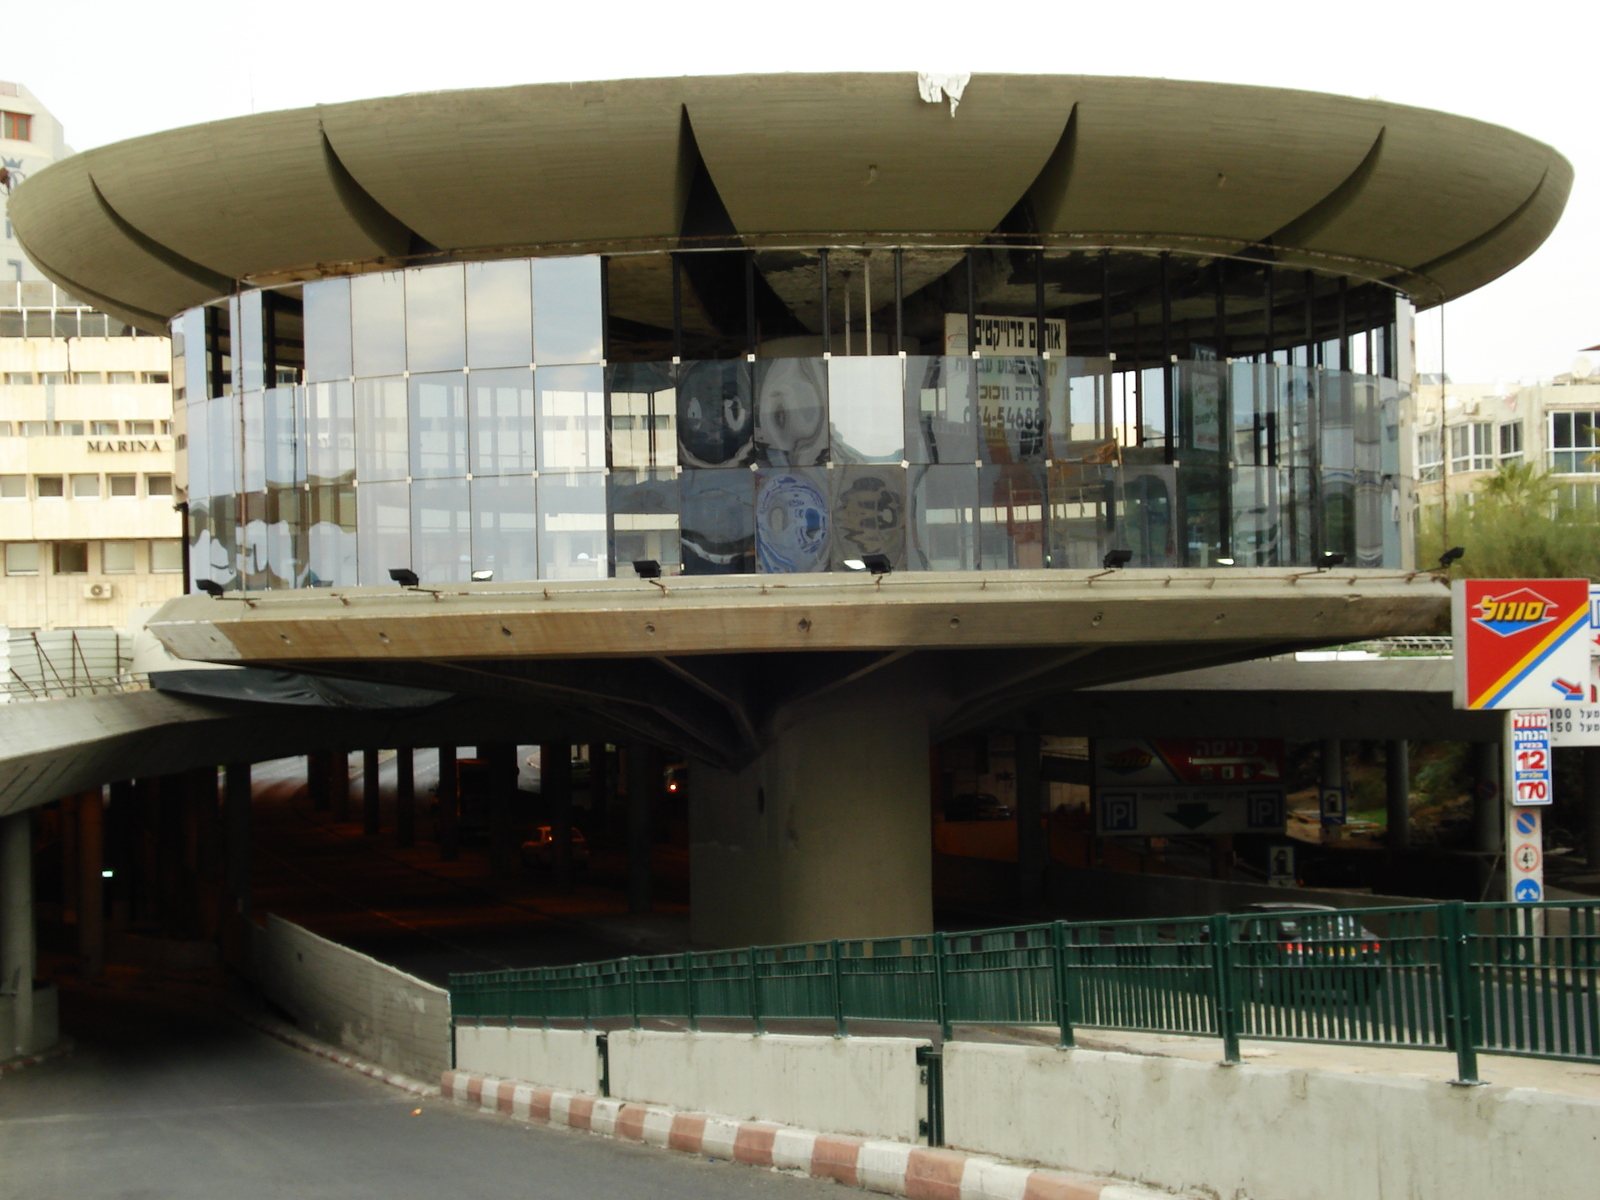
[1514,529]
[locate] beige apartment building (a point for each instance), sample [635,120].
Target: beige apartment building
[88,531]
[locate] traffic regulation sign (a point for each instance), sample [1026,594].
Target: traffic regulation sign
[1525,861]
[1520,643]
[1530,756]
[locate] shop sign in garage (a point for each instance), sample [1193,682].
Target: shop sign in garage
[1520,643]
[1175,786]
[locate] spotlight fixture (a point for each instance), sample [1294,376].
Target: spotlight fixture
[404,576]
[878,564]
[482,576]
[210,587]
[1116,558]
[1224,562]
[1328,560]
[1450,556]
[647,568]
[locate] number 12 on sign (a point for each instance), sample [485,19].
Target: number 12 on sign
[1529,747]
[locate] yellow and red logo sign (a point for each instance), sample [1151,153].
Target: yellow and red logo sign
[1519,642]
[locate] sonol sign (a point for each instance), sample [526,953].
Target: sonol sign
[1520,643]
[1578,724]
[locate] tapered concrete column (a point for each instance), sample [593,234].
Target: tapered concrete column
[17,957]
[236,835]
[91,891]
[449,817]
[405,798]
[121,826]
[1397,792]
[68,806]
[1591,805]
[1487,802]
[317,772]
[339,784]
[555,789]
[828,834]
[641,798]
[1031,847]
[371,816]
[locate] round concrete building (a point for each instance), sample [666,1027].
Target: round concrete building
[926,397]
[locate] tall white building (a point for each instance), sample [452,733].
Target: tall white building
[87,526]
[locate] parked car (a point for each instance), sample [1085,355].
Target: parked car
[1308,953]
[539,851]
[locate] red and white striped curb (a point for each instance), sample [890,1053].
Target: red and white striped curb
[64,1046]
[287,1033]
[899,1169]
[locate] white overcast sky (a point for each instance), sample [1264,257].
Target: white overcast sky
[115,70]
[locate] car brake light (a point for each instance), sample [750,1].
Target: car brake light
[1291,947]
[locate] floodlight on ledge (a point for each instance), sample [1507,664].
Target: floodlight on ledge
[647,568]
[878,564]
[404,576]
[210,587]
[1450,556]
[483,576]
[1116,559]
[1224,562]
[1328,559]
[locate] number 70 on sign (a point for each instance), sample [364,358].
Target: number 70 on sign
[1530,756]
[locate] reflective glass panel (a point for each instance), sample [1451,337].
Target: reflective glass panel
[1202,399]
[1081,515]
[869,512]
[327,325]
[505,525]
[716,425]
[572,525]
[571,415]
[791,417]
[499,314]
[1011,408]
[866,409]
[378,324]
[254,463]
[644,520]
[944,518]
[223,419]
[503,430]
[718,521]
[1200,489]
[383,530]
[1148,503]
[1253,390]
[253,542]
[383,448]
[568,317]
[793,516]
[285,537]
[644,412]
[331,540]
[436,318]
[438,424]
[282,446]
[1337,442]
[1011,517]
[197,454]
[1257,535]
[1079,419]
[441,530]
[941,410]
[249,358]
[224,547]
[330,432]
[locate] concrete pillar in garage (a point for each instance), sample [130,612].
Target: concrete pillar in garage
[1397,792]
[339,784]
[449,819]
[599,786]
[317,782]
[17,954]
[405,798]
[236,836]
[1488,805]
[501,760]
[555,789]
[91,886]
[1032,850]
[371,816]
[641,801]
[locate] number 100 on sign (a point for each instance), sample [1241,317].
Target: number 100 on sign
[1530,756]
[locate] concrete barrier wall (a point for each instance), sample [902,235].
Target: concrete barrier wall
[559,1058]
[372,1010]
[1274,1133]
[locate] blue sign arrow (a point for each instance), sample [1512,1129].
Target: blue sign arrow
[1528,891]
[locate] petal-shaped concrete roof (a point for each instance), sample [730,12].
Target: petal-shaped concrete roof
[1438,203]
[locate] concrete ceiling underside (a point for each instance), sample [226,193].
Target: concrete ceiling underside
[1437,204]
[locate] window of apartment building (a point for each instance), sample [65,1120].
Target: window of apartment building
[123,485]
[1510,441]
[1428,458]
[86,487]
[51,377]
[22,558]
[34,428]
[69,428]
[19,378]
[137,427]
[166,556]
[105,428]
[158,485]
[1575,443]
[72,558]
[16,126]
[1472,447]
[88,377]
[5,428]
[122,377]
[13,487]
[117,558]
[166,427]
[156,377]
[49,487]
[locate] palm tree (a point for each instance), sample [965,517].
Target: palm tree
[1519,486]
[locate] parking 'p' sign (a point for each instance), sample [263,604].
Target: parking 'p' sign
[1520,643]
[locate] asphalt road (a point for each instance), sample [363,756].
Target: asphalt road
[171,1101]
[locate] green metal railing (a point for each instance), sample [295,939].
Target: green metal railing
[1500,978]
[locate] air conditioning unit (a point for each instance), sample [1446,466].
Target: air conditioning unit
[99,591]
[1470,407]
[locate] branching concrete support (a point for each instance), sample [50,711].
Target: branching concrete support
[236,836]
[1397,792]
[17,956]
[449,822]
[91,891]
[1032,851]
[641,797]
[371,814]
[555,789]
[405,798]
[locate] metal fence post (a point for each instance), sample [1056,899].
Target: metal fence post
[1459,992]
[585,979]
[1222,967]
[633,989]
[545,992]
[755,990]
[688,990]
[941,999]
[1058,963]
[836,963]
